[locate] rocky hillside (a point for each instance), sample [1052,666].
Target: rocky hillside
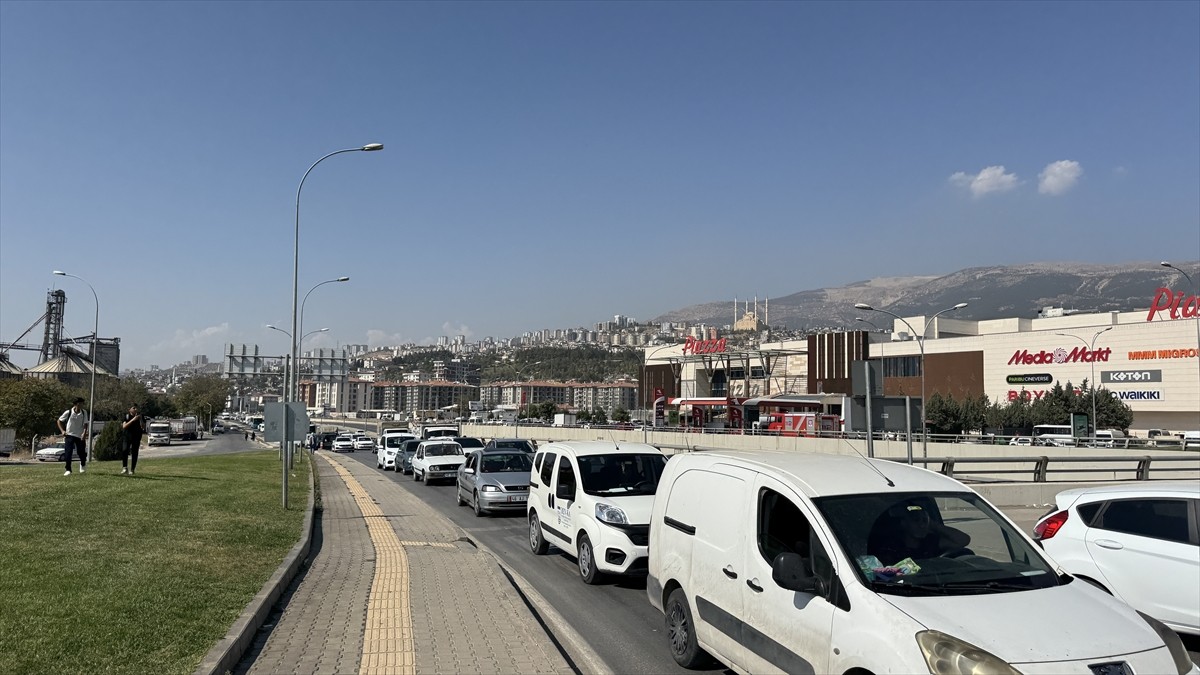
[992,292]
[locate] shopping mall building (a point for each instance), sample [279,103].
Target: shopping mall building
[1147,358]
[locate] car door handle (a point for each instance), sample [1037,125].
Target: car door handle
[1109,543]
[728,570]
[753,584]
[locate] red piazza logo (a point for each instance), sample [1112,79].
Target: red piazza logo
[1178,305]
[693,346]
[1077,355]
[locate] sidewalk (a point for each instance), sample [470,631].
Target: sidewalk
[393,587]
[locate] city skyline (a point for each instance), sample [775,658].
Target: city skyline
[552,164]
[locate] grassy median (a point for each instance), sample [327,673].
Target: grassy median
[107,573]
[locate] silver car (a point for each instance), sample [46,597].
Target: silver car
[494,480]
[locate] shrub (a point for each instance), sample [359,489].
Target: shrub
[107,445]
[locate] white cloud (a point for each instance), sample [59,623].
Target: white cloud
[379,338]
[990,179]
[1058,177]
[1120,172]
[451,330]
[195,340]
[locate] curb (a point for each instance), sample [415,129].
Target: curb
[578,652]
[229,650]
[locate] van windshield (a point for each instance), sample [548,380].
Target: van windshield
[921,543]
[621,475]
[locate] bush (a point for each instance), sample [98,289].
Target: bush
[107,445]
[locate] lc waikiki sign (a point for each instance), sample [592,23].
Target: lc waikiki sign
[1178,305]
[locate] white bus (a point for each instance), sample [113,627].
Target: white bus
[1053,434]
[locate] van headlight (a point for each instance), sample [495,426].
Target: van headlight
[947,655]
[1183,662]
[607,513]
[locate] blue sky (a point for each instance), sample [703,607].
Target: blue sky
[553,164]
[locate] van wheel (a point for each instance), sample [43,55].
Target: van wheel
[537,543]
[587,561]
[681,632]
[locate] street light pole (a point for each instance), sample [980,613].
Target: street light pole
[921,344]
[95,354]
[295,390]
[370,147]
[1092,383]
[1197,285]
[311,332]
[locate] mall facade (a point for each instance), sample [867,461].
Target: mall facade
[1148,358]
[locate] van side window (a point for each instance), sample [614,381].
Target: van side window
[566,476]
[782,528]
[548,467]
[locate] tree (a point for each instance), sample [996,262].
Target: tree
[546,410]
[32,405]
[200,393]
[620,415]
[583,416]
[599,416]
[107,445]
[943,414]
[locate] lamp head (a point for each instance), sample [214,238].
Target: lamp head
[863,305]
[372,147]
[60,273]
[323,330]
[342,279]
[270,326]
[960,305]
[1163,263]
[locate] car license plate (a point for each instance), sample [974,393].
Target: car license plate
[516,498]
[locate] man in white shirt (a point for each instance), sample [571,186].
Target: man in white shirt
[74,425]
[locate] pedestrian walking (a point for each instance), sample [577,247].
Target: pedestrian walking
[73,424]
[312,443]
[246,435]
[132,427]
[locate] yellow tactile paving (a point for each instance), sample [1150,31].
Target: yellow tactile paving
[388,640]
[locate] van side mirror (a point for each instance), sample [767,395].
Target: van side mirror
[789,571]
[565,491]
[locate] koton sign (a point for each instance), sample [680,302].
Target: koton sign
[1025,357]
[1179,305]
[693,346]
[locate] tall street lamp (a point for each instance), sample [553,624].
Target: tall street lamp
[520,389]
[921,344]
[370,147]
[1091,357]
[95,354]
[1197,285]
[295,386]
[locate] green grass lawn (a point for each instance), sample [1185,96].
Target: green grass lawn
[101,572]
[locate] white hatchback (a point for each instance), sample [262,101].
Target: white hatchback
[1137,541]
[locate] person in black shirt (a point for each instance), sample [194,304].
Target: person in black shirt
[131,428]
[912,533]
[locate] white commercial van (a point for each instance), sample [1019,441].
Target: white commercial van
[801,563]
[592,499]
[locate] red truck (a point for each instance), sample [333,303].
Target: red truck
[801,423]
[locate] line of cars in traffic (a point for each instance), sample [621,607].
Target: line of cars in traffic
[785,562]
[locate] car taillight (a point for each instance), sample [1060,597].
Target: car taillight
[1049,526]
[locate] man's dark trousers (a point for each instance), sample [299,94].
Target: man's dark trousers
[72,444]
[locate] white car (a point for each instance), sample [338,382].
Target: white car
[52,453]
[801,562]
[1137,541]
[437,460]
[592,500]
[343,444]
[363,442]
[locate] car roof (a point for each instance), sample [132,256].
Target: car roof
[443,440]
[584,448]
[824,475]
[1144,488]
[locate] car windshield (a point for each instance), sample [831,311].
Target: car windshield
[621,475]
[950,543]
[506,462]
[443,450]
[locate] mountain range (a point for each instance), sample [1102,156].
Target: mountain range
[991,293]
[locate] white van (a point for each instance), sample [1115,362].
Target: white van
[802,563]
[592,500]
[1110,438]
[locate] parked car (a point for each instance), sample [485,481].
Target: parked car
[1020,440]
[1137,541]
[344,443]
[592,500]
[468,443]
[52,453]
[522,444]
[839,564]
[437,459]
[327,438]
[494,480]
[363,442]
